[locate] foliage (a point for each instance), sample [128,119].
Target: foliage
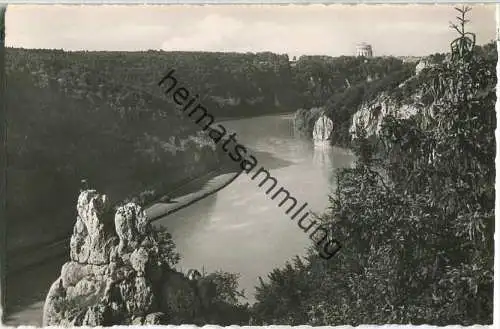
[304,120]
[226,287]
[318,78]
[280,300]
[165,246]
[416,218]
[230,84]
[257,82]
[56,140]
[67,109]
[461,47]
[342,105]
[219,300]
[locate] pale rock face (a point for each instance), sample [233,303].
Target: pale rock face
[51,314]
[137,296]
[95,315]
[103,284]
[155,318]
[72,272]
[115,275]
[130,225]
[371,115]
[304,120]
[93,237]
[139,260]
[423,64]
[87,288]
[420,66]
[322,129]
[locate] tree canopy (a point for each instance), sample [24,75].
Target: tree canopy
[415,215]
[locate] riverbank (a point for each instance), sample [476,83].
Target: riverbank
[27,288]
[242,229]
[178,199]
[189,194]
[287,113]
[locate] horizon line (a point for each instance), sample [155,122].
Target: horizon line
[221,52]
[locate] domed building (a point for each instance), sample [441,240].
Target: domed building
[363,49]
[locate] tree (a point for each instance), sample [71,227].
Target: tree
[415,214]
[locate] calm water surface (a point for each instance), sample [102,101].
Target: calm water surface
[240,229]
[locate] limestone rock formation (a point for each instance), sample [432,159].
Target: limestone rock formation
[92,237]
[117,274]
[322,129]
[371,115]
[425,64]
[304,120]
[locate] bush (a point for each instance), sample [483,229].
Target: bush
[416,218]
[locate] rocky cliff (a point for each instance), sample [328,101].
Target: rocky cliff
[405,101]
[323,128]
[305,119]
[120,273]
[340,104]
[123,144]
[372,113]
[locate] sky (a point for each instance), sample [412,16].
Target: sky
[334,30]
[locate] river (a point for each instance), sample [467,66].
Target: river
[240,228]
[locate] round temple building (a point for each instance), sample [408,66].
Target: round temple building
[364,49]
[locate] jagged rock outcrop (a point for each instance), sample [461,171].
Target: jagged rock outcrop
[423,64]
[304,120]
[323,128]
[118,273]
[92,238]
[411,97]
[371,114]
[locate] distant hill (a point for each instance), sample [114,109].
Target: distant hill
[230,84]
[101,116]
[259,82]
[121,140]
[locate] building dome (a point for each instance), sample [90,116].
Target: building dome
[364,49]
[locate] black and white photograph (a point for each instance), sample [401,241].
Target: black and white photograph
[251,165]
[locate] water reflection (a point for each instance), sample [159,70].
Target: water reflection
[240,228]
[331,159]
[181,229]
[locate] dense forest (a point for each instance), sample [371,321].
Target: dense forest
[341,85]
[230,84]
[415,214]
[123,142]
[68,109]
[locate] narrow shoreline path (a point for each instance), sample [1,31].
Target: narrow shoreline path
[186,198]
[28,300]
